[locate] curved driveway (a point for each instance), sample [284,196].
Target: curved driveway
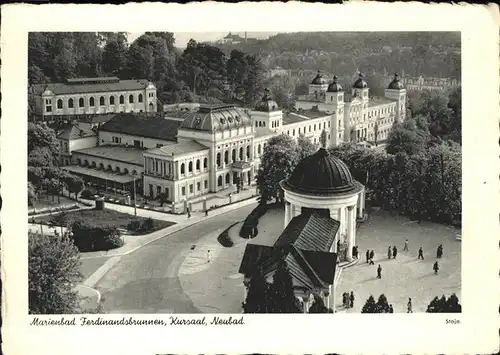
[146,281]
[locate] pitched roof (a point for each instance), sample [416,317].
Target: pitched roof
[89,85]
[180,148]
[75,131]
[142,126]
[304,115]
[124,154]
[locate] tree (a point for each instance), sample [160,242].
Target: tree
[302,89]
[74,183]
[318,305]
[305,146]
[281,294]
[370,306]
[32,194]
[382,304]
[114,57]
[163,198]
[282,88]
[257,296]
[53,271]
[323,139]
[41,135]
[408,137]
[280,157]
[140,62]
[443,305]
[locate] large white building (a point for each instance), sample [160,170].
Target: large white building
[91,96]
[191,153]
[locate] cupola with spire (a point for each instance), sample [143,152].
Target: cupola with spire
[360,83]
[334,86]
[266,104]
[395,83]
[318,79]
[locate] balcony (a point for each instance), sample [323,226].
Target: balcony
[159,176]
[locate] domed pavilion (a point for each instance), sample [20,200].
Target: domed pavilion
[322,183]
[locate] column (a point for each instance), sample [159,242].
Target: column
[332,296]
[326,298]
[350,229]
[287,213]
[305,303]
[359,210]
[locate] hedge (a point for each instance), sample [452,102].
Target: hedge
[224,238]
[249,227]
[91,238]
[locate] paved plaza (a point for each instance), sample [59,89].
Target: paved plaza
[406,277]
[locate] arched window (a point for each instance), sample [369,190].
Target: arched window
[139,98]
[183,168]
[125,171]
[78,161]
[226,157]
[256,124]
[91,102]
[197,164]
[110,168]
[111,100]
[233,155]
[227,178]
[134,172]
[59,103]
[122,100]
[218,159]
[117,169]
[248,151]
[131,99]
[241,153]
[70,103]
[190,167]
[259,149]
[85,162]
[81,103]
[205,163]
[101,101]
[219,180]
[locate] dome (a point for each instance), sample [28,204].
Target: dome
[360,83]
[321,174]
[334,87]
[395,84]
[319,80]
[215,118]
[266,104]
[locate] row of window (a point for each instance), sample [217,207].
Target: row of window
[191,187]
[190,166]
[81,101]
[311,128]
[233,155]
[101,166]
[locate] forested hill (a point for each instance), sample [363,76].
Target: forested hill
[435,54]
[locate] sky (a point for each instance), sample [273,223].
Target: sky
[182,38]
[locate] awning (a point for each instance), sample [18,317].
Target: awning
[100,174]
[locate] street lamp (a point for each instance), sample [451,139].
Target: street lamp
[135,202]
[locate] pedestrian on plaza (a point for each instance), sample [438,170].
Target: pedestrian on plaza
[391,310]
[440,251]
[410,308]
[351,298]
[406,245]
[420,253]
[389,253]
[367,255]
[188,210]
[436,267]
[394,252]
[379,272]
[345,300]
[206,212]
[356,253]
[372,254]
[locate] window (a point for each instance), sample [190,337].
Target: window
[198,165]
[111,100]
[122,100]
[190,188]
[241,153]
[340,123]
[227,178]
[101,101]
[48,108]
[48,101]
[159,145]
[190,167]
[263,124]
[139,98]
[205,163]
[91,102]
[117,140]
[131,99]
[183,191]
[158,190]
[70,103]
[198,186]
[206,184]
[59,103]
[81,103]
[248,151]
[233,155]
[256,124]
[258,150]
[137,143]
[294,132]
[183,168]
[219,181]
[226,157]
[324,125]
[218,159]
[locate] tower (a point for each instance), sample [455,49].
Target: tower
[360,89]
[396,91]
[318,86]
[334,97]
[267,114]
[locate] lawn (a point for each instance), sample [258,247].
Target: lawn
[102,218]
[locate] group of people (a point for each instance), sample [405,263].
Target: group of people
[370,254]
[348,299]
[392,251]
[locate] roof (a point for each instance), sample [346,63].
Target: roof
[180,148]
[395,84]
[215,118]
[102,118]
[312,97]
[105,175]
[89,85]
[360,83]
[318,79]
[266,104]
[120,153]
[142,126]
[75,131]
[305,247]
[377,101]
[303,115]
[334,86]
[321,174]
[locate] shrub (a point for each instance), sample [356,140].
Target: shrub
[224,238]
[87,194]
[133,226]
[252,220]
[147,225]
[91,238]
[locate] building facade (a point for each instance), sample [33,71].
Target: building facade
[82,97]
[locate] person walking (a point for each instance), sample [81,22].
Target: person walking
[439,253]
[406,246]
[367,255]
[420,253]
[436,268]
[410,308]
[391,310]
[389,253]
[188,210]
[372,255]
[206,212]
[351,298]
[394,252]
[344,300]
[379,272]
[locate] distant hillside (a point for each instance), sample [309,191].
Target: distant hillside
[417,53]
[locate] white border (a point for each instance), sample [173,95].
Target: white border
[418,333]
